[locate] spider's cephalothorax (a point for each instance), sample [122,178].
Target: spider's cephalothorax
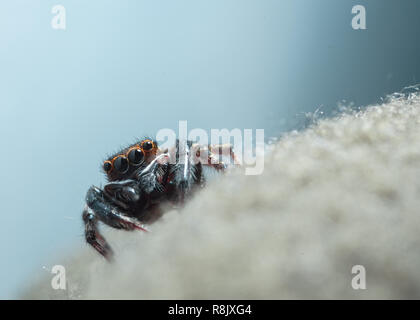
[141,178]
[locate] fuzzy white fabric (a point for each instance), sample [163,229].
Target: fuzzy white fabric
[343,192]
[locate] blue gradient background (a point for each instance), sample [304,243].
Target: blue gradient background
[126,68]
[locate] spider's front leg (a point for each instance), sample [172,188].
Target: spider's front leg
[105,206]
[92,234]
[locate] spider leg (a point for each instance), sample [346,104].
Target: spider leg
[93,236]
[99,208]
[221,149]
[210,155]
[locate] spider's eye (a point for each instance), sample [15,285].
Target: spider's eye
[107,166]
[121,164]
[135,156]
[147,145]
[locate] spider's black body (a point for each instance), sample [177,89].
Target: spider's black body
[141,178]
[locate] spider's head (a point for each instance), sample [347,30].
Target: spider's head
[123,164]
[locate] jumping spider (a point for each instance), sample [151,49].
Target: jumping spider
[141,178]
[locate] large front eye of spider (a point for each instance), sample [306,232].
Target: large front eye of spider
[121,164]
[135,156]
[147,145]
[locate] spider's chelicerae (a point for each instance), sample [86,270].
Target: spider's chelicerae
[140,179]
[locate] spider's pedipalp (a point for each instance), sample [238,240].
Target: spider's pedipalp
[123,193]
[107,211]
